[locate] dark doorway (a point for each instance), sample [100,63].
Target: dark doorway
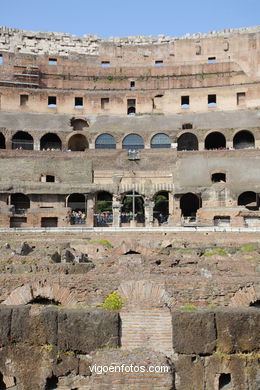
[187,141]
[249,199]
[2,141]
[218,177]
[215,140]
[20,202]
[22,140]
[50,141]
[49,222]
[78,143]
[130,207]
[161,207]
[51,383]
[224,382]
[189,204]
[243,140]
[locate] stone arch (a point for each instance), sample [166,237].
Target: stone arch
[133,141]
[79,124]
[215,140]
[189,204]
[105,141]
[160,140]
[245,296]
[248,199]
[77,142]
[243,139]
[22,140]
[27,293]
[187,141]
[50,141]
[2,141]
[144,293]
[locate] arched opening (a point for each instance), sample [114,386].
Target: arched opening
[133,208]
[189,204]
[78,143]
[249,199]
[215,140]
[2,141]
[161,207]
[187,141]
[22,140]
[105,141]
[77,203]
[133,142]
[131,111]
[50,141]
[79,124]
[39,300]
[224,382]
[218,177]
[20,202]
[243,140]
[161,141]
[51,383]
[104,212]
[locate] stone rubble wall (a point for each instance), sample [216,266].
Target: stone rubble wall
[14,40]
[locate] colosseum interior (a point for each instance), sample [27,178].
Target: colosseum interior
[130,165]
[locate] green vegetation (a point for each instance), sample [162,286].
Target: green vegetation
[247,248]
[47,347]
[113,302]
[217,251]
[103,242]
[212,306]
[189,307]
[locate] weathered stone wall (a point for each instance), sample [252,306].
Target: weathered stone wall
[64,344]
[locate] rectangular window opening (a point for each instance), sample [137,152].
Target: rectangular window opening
[105,64]
[132,85]
[185,102]
[52,101]
[241,98]
[158,63]
[52,61]
[23,100]
[78,102]
[104,103]
[186,126]
[1,59]
[212,100]
[212,60]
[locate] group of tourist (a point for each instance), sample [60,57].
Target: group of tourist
[104,218]
[77,218]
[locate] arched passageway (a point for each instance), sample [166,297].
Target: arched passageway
[133,142]
[103,210]
[78,205]
[215,140]
[249,199]
[189,204]
[2,141]
[20,202]
[50,141]
[105,141]
[161,207]
[133,208]
[79,124]
[78,143]
[22,140]
[243,139]
[160,141]
[187,141]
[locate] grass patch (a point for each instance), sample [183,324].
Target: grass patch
[189,307]
[247,248]
[217,251]
[103,242]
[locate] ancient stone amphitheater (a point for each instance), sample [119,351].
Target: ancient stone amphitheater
[130,165]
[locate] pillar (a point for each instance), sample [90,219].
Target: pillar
[176,218]
[171,209]
[90,209]
[148,211]
[116,206]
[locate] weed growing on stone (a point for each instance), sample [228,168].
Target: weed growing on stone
[217,251]
[103,242]
[47,347]
[247,248]
[113,302]
[188,307]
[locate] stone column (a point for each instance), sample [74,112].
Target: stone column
[116,206]
[171,205]
[176,218]
[90,209]
[148,211]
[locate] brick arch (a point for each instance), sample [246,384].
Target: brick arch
[245,296]
[144,293]
[25,294]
